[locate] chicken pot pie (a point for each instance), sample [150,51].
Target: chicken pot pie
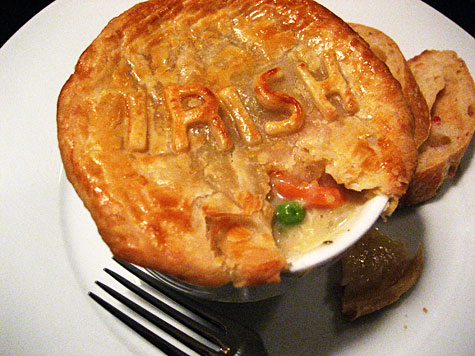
[186,121]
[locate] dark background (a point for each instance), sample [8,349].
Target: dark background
[18,12]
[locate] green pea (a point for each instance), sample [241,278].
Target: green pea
[289,213]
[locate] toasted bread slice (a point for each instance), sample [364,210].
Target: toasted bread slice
[449,89]
[376,272]
[388,51]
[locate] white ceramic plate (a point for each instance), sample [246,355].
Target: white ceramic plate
[51,253]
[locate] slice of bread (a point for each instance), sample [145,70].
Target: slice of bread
[388,51]
[376,272]
[449,89]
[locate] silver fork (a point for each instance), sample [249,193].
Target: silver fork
[222,335]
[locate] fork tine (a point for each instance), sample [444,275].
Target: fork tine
[234,338]
[154,319]
[199,311]
[199,328]
[148,335]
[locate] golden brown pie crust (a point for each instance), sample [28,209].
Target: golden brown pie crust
[178,110]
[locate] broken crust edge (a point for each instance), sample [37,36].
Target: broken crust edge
[244,260]
[360,305]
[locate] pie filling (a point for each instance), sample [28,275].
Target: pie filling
[323,212]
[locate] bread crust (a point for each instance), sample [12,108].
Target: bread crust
[449,88]
[195,206]
[376,272]
[388,51]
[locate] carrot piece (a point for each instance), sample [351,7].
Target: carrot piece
[312,194]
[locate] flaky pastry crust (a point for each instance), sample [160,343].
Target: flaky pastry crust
[178,110]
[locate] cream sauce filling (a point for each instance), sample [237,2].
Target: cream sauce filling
[320,226]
